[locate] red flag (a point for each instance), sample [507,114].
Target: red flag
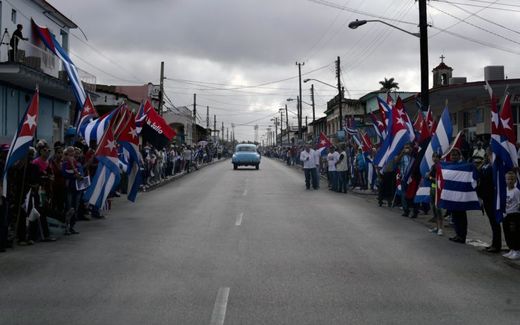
[417,125]
[323,142]
[429,120]
[108,145]
[367,143]
[156,122]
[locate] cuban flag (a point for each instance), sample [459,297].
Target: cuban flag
[385,110]
[395,141]
[423,192]
[52,44]
[87,114]
[129,146]
[429,120]
[439,143]
[95,129]
[402,113]
[107,174]
[457,183]
[23,138]
[502,159]
[379,126]
[508,131]
[323,142]
[142,113]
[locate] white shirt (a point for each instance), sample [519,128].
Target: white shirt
[513,200]
[308,159]
[332,159]
[317,157]
[343,165]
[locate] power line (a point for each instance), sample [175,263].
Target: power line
[480,6]
[485,19]
[476,26]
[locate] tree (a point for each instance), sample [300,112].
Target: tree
[389,84]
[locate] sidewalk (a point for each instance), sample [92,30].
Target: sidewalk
[479,230]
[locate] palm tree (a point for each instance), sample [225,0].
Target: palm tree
[388,84]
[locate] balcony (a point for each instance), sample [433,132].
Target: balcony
[31,64]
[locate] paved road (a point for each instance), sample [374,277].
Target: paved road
[254,247]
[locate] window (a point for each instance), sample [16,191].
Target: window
[13,16]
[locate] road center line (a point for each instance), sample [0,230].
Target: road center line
[219,310]
[239,219]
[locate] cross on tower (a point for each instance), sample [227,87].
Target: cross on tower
[442,58]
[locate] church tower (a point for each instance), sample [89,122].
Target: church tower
[442,74]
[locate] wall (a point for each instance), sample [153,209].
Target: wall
[14,102]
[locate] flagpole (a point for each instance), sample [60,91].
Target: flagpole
[21,196]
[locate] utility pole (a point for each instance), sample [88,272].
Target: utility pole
[222,131]
[275,131]
[194,137]
[227,134]
[215,125]
[340,94]
[287,121]
[161,89]
[423,32]
[281,126]
[207,117]
[300,99]
[313,113]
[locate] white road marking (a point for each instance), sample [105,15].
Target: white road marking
[245,192]
[219,310]
[239,219]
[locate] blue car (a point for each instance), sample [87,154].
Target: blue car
[246,155]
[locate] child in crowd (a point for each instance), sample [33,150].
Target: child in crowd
[512,220]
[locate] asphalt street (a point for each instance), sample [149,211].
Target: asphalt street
[254,247]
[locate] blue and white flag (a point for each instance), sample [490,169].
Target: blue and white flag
[107,174]
[458,184]
[95,129]
[22,139]
[423,192]
[440,141]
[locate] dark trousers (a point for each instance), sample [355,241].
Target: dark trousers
[512,230]
[460,223]
[310,177]
[342,181]
[496,229]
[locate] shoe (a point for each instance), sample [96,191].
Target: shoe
[492,249]
[74,232]
[413,216]
[433,230]
[457,239]
[30,242]
[24,243]
[405,215]
[514,256]
[440,232]
[506,255]
[49,239]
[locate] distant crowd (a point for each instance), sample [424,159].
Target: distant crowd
[347,167]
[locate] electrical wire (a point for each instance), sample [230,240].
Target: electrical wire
[480,6]
[473,25]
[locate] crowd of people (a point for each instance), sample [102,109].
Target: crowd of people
[46,187]
[346,167]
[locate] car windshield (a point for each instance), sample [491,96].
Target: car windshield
[249,149]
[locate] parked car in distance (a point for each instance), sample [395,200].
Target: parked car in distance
[246,155]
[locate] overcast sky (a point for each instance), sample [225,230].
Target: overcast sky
[211,45]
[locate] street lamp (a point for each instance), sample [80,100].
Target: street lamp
[423,37]
[321,82]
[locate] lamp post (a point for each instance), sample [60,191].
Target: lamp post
[423,37]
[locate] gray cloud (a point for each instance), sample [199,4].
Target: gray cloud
[248,42]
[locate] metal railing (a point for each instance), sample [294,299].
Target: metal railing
[30,55]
